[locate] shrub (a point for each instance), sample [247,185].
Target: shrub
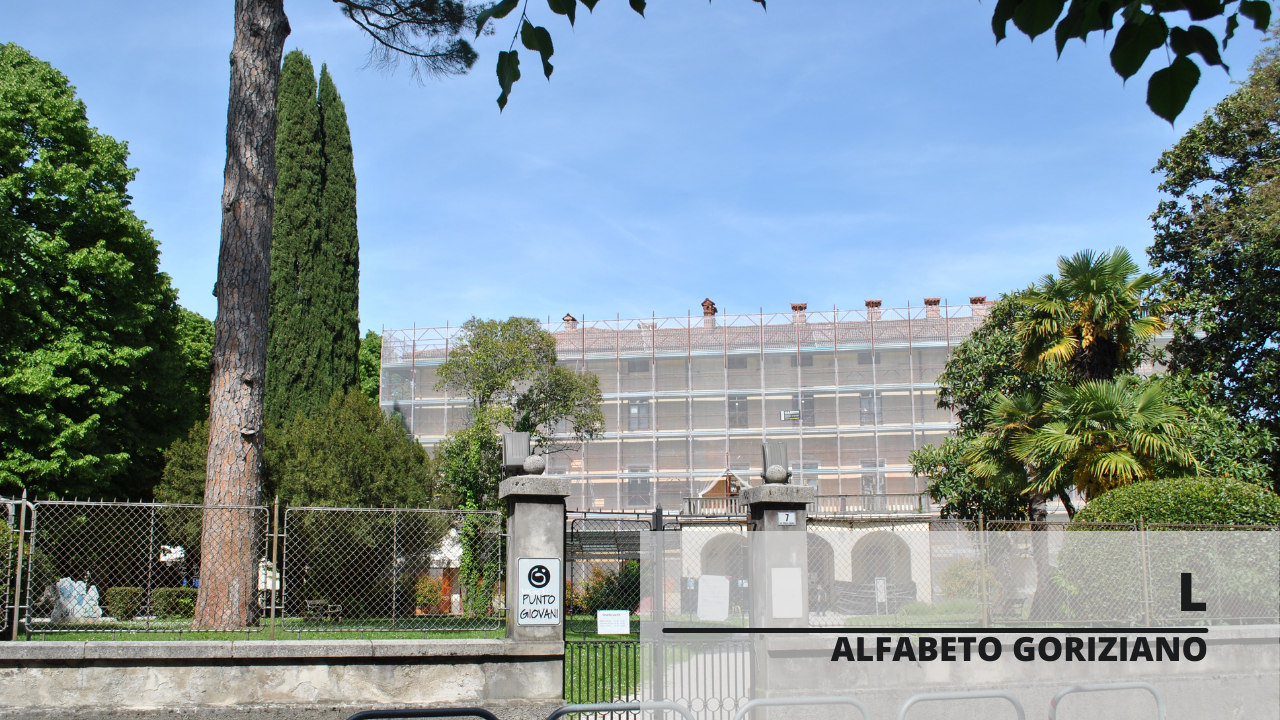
[174,602]
[429,594]
[605,590]
[123,602]
[962,580]
[1190,501]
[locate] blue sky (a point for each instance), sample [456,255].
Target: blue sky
[825,152]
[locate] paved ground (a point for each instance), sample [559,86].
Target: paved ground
[509,712]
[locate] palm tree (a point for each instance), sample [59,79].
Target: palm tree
[1091,317]
[1103,434]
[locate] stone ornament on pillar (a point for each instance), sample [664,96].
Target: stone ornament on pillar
[776,467]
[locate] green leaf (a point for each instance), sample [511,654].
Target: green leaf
[538,40]
[1072,25]
[1001,17]
[638,6]
[508,73]
[1195,39]
[1259,11]
[1233,22]
[1169,89]
[564,7]
[1034,17]
[591,4]
[1202,9]
[500,10]
[1138,36]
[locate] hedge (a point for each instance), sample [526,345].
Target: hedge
[1190,501]
[174,602]
[123,603]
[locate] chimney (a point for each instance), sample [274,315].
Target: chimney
[797,312]
[708,313]
[873,309]
[979,303]
[570,322]
[931,309]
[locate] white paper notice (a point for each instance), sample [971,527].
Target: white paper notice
[613,622]
[713,598]
[786,592]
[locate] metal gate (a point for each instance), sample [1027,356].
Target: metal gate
[602,572]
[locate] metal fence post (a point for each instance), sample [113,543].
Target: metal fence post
[395,555]
[1146,571]
[17,588]
[279,576]
[982,568]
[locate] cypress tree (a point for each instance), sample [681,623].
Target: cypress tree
[294,339]
[340,254]
[314,326]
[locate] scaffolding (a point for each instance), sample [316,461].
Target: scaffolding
[688,400]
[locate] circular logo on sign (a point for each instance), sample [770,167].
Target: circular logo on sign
[539,576]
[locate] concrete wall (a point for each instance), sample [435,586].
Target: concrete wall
[93,674]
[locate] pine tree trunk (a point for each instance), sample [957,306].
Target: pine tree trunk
[230,538]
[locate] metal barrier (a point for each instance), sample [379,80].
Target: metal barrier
[618,707]
[967,695]
[425,713]
[1104,687]
[789,701]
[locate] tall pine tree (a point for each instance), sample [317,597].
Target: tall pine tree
[313,327]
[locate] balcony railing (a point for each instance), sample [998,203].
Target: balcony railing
[869,504]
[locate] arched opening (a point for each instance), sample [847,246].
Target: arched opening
[878,555]
[822,574]
[725,554]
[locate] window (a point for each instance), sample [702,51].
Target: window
[638,490]
[738,412]
[802,360]
[737,362]
[804,403]
[637,414]
[864,358]
[870,404]
[638,366]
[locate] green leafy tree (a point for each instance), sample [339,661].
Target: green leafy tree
[346,454]
[100,369]
[507,369]
[370,356]
[313,336]
[1092,318]
[1224,446]
[1218,240]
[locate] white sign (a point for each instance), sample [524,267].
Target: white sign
[785,589]
[882,590]
[786,517]
[713,598]
[613,622]
[789,415]
[538,591]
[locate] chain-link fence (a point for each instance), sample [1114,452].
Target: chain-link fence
[602,572]
[138,567]
[10,561]
[391,570]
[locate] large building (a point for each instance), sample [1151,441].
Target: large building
[688,400]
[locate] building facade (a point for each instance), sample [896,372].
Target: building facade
[688,400]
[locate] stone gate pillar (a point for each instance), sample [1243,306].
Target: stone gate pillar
[535,545]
